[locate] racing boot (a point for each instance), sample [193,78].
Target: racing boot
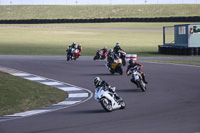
[133,81]
[108,66]
[117,97]
[143,76]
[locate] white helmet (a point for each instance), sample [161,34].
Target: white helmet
[117,44]
[96,81]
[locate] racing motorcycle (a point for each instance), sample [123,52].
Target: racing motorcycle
[115,66]
[100,55]
[108,100]
[137,76]
[72,54]
[122,55]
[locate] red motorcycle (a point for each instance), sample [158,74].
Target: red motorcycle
[100,55]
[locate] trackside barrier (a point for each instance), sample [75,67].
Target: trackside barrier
[103,20]
[173,50]
[131,56]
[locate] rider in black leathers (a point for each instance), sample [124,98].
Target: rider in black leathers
[117,48]
[110,57]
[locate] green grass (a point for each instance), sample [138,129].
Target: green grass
[96,11]
[185,62]
[46,41]
[18,95]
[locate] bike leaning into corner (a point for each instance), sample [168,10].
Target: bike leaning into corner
[137,77]
[107,96]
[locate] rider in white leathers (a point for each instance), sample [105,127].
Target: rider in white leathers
[101,83]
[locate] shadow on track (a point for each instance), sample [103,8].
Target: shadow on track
[87,111]
[130,90]
[102,74]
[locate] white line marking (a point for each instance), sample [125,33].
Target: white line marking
[78,95]
[51,83]
[35,78]
[67,102]
[69,88]
[21,74]
[28,113]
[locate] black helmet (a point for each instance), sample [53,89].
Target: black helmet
[110,51]
[131,61]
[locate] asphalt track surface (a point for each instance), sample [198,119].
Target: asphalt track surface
[170,105]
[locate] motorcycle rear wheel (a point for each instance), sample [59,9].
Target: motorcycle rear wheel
[106,104]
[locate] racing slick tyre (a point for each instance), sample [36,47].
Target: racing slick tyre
[124,62]
[112,71]
[94,58]
[119,69]
[123,105]
[106,104]
[68,57]
[142,85]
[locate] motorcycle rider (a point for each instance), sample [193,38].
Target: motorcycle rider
[104,51]
[73,45]
[79,48]
[117,48]
[110,57]
[101,83]
[132,64]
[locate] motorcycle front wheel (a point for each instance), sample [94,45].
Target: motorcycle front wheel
[106,104]
[68,57]
[124,62]
[123,105]
[142,85]
[119,70]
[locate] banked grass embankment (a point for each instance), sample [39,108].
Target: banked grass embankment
[96,11]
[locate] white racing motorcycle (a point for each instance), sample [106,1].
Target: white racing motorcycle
[108,100]
[137,76]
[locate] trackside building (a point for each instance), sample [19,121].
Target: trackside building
[181,40]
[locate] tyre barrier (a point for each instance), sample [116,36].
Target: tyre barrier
[131,56]
[103,20]
[174,50]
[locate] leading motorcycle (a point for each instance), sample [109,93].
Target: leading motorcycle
[108,100]
[115,66]
[72,54]
[137,77]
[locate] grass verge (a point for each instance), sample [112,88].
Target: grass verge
[96,11]
[54,41]
[19,95]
